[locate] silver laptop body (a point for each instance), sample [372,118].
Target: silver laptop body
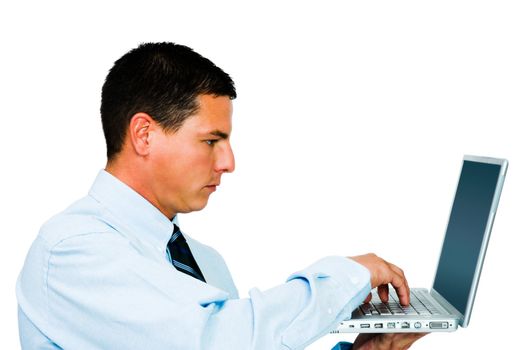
[451,297]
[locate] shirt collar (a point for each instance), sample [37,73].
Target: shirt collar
[142,218]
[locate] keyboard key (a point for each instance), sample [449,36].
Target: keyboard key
[419,305]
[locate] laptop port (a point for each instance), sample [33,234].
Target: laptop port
[405,325]
[439,325]
[365,325]
[391,325]
[378,325]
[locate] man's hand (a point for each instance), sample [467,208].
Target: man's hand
[390,341]
[383,273]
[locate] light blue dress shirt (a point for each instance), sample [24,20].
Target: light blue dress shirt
[97,277]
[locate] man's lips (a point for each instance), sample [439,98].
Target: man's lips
[212,187]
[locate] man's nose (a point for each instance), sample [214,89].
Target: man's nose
[226,160]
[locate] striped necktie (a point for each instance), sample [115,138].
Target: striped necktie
[181,256]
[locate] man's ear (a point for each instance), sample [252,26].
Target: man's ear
[140,130]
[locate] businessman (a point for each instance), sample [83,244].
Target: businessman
[115,271]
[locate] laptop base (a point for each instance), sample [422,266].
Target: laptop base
[441,320]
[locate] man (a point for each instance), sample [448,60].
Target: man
[114,271]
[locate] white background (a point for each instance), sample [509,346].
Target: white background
[349,130]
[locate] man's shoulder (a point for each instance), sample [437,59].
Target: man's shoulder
[81,218]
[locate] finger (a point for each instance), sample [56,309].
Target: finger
[400,284]
[382,291]
[405,340]
[399,272]
[403,293]
[368,298]
[363,338]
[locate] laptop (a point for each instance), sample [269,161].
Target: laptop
[448,304]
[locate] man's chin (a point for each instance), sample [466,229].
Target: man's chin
[198,206]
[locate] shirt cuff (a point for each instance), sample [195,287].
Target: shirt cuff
[345,276]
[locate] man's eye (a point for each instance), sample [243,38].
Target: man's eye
[211,142]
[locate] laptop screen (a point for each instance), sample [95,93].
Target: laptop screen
[467,224]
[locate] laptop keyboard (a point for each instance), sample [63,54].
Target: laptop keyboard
[419,305]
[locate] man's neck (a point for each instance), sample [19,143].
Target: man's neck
[129,173]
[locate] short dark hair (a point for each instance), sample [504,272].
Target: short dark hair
[162,80]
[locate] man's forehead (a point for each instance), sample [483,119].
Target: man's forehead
[214,116]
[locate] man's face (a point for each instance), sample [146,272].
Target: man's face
[187,165]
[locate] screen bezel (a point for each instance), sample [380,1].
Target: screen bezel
[503,163]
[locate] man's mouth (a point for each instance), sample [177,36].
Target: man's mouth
[212,186]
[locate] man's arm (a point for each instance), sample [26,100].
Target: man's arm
[100,294]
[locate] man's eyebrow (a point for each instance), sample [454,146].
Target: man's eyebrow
[220,134]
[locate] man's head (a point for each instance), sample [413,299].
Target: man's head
[162,80]
[166,113]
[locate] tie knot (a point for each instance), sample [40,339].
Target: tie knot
[176,234]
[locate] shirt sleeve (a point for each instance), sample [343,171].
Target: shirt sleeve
[101,294]
[343,346]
